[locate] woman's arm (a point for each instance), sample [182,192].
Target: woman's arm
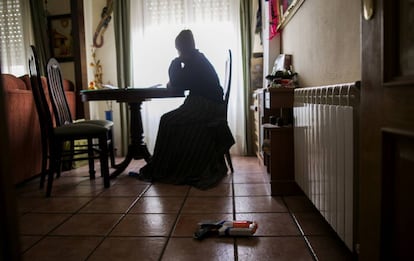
[176,75]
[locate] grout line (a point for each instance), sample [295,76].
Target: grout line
[118,221]
[309,246]
[138,198]
[175,223]
[235,249]
[58,225]
[315,257]
[233,196]
[185,198]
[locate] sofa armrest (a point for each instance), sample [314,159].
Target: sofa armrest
[23,135]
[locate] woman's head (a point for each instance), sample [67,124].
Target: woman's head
[184,42]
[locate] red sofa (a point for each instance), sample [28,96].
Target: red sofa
[25,152]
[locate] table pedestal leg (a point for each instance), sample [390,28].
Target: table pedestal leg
[137,149]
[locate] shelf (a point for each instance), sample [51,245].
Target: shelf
[279,159]
[276,98]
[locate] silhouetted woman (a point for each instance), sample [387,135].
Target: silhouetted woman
[192,139]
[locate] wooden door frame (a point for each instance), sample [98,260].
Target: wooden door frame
[386,124]
[79,51]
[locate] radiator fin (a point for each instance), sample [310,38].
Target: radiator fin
[325,120]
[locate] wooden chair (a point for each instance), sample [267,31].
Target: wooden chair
[62,113]
[55,134]
[226,98]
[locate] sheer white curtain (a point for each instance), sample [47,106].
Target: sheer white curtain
[216,28]
[15,33]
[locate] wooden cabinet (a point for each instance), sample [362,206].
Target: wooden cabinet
[275,143]
[270,102]
[278,157]
[278,103]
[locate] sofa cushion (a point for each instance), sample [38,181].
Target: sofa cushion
[68,85]
[23,125]
[25,152]
[26,79]
[11,82]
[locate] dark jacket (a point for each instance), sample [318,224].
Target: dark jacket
[197,75]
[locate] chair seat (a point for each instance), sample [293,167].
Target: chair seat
[79,130]
[104,123]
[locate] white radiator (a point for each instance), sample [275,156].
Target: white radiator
[325,137]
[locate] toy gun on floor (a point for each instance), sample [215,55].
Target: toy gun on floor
[225,228]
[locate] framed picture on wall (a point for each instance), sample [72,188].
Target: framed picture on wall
[60,37]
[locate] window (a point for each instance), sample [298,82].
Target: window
[216,28]
[157,23]
[13,38]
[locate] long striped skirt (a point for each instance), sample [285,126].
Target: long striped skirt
[190,145]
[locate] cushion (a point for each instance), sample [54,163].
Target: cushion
[26,79]
[68,85]
[11,82]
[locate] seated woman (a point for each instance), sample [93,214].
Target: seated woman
[192,139]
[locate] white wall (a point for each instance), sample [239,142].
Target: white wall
[62,7]
[324,39]
[271,48]
[107,56]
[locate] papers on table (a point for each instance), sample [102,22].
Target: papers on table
[155,86]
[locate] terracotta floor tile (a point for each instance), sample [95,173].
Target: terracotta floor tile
[62,249]
[145,225]
[136,220]
[27,242]
[252,190]
[124,190]
[62,205]
[158,205]
[167,190]
[299,204]
[259,204]
[312,223]
[30,191]
[98,181]
[329,248]
[129,248]
[246,163]
[66,180]
[208,205]
[88,225]
[273,248]
[108,205]
[187,224]
[40,223]
[27,187]
[221,190]
[250,177]
[25,205]
[125,179]
[77,191]
[183,249]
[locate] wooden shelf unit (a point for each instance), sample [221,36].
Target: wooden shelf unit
[278,157]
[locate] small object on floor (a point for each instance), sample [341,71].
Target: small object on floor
[225,228]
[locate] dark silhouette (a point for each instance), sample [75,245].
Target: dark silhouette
[192,139]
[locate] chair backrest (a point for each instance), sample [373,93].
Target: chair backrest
[42,106]
[57,95]
[227,79]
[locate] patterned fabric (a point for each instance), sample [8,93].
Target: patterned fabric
[190,145]
[274,18]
